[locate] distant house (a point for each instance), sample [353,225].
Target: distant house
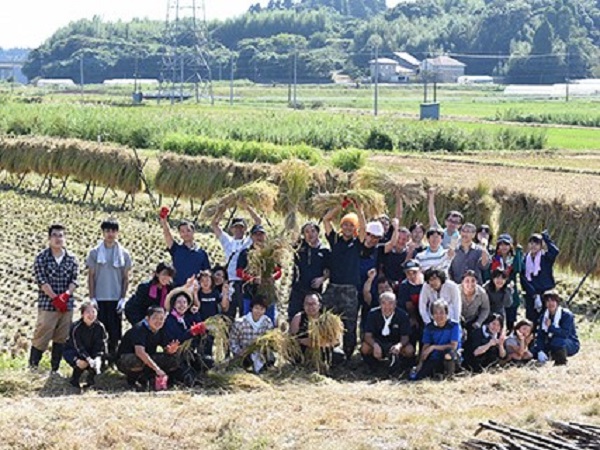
[442,69]
[407,61]
[387,70]
[55,82]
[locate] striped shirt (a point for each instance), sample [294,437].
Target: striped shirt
[438,259]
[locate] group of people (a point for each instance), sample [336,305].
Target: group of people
[416,301]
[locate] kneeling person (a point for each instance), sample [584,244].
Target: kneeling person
[138,357]
[86,345]
[387,332]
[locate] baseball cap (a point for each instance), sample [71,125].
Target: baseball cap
[375,228]
[238,221]
[257,229]
[506,238]
[412,265]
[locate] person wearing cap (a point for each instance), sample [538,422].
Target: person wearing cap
[409,293]
[251,282]
[344,270]
[233,243]
[453,221]
[469,256]
[109,264]
[509,259]
[311,258]
[386,337]
[435,255]
[537,273]
[438,287]
[370,257]
[188,257]
[56,270]
[556,336]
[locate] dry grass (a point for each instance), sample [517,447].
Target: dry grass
[307,411]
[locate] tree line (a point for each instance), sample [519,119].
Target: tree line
[537,41]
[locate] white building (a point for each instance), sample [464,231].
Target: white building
[442,69]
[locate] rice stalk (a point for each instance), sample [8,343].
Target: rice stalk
[275,342]
[219,327]
[380,181]
[372,202]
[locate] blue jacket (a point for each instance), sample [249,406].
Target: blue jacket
[175,330]
[565,335]
[544,280]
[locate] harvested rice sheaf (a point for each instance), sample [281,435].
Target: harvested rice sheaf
[276,343]
[372,202]
[380,181]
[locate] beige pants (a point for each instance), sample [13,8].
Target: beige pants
[51,326]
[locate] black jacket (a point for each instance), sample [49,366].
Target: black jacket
[85,341]
[137,306]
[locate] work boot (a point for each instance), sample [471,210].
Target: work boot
[560,357]
[449,368]
[35,356]
[76,377]
[57,353]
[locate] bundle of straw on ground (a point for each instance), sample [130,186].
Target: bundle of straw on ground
[218,326]
[378,180]
[372,202]
[574,228]
[106,165]
[262,262]
[324,333]
[276,343]
[261,195]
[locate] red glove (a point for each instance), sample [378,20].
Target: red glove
[61,302]
[346,202]
[198,329]
[164,212]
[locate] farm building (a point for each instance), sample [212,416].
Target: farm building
[407,61]
[387,70]
[443,69]
[55,82]
[130,81]
[475,79]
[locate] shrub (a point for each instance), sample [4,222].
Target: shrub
[378,140]
[349,160]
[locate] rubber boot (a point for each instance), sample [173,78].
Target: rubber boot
[560,357]
[57,353]
[76,377]
[35,356]
[449,368]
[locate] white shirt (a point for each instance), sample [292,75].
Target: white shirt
[232,249]
[449,292]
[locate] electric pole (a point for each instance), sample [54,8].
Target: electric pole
[295,74]
[376,94]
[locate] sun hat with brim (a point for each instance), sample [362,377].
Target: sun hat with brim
[551,294]
[170,300]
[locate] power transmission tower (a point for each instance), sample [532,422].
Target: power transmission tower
[186,57]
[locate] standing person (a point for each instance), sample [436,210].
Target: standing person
[499,292]
[537,274]
[408,299]
[341,295]
[310,268]
[509,259]
[233,243]
[441,343]
[475,302]
[188,258]
[469,256]
[417,236]
[394,257]
[138,356]
[149,293]
[108,265]
[485,237]
[557,336]
[438,287]
[86,345]
[252,283]
[435,255]
[453,221]
[56,270]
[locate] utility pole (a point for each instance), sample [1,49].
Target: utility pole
[231,81]
[295,75]
[568,79]
[81,73]
[376,94]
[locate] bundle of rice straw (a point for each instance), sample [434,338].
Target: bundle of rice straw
[262,263]
[372,202]
[378,180]
[275,343]
[261,195]
[324,333]
[218,326]
[294,178]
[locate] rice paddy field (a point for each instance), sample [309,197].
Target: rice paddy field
[476,164]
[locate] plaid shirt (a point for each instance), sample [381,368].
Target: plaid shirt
[58,276]
[243,334]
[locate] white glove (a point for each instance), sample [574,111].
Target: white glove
[121,305]
[97,364]
[537,303]
[542,357]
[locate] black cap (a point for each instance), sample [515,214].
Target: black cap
[257,229]
[238,221]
